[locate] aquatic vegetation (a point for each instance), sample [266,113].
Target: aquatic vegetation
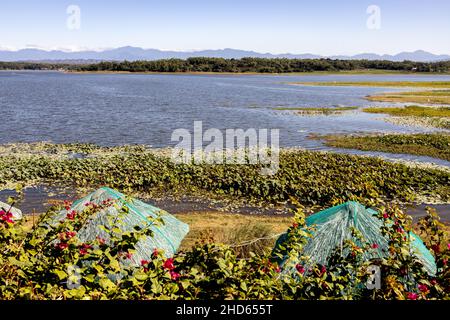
[317,110]
[436,116]
[435,145]
[431,96]
[424,122]
[393,84]
[314,178]
[425,97]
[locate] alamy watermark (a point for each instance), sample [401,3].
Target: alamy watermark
[73,277]
[230,146]
[73,21]
[374,281]
[374,20]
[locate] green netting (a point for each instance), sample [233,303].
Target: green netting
[167,236]
[333,226]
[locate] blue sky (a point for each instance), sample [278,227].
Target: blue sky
[315,26]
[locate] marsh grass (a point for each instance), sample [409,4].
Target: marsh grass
[234,229]
[433,145]
[393,84]
[317,110]
[439,96]
[416,111]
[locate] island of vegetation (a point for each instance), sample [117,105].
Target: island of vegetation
[435,145]
[244,65]
[435,92]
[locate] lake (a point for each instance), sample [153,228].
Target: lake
[115,109]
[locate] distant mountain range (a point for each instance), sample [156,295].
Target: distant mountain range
[134,53]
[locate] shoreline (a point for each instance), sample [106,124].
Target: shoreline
[312,73]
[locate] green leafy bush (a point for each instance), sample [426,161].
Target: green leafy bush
[49,262]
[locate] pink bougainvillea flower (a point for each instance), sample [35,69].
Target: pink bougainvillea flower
[300,269]
[436,248]
[374,246]
[174,275]
[323,270]
[70,234]
[448,246]
[6,216]
[444,262]
[71,215]
[67,205]
[412,296]
[423,287]
[168,264]
[62,246]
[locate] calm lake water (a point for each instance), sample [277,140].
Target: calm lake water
[145,109]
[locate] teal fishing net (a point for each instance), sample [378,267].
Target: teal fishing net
[166,236]
[334,225]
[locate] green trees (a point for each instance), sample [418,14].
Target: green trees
[249,64]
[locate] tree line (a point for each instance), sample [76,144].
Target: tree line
[244,65]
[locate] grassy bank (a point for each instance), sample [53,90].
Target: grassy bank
[438,92]
[415,111]
[438,117]
[433,145]
[386,84]
[317,110]
[313,178]
[425,97]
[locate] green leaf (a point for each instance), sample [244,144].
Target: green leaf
[61,274]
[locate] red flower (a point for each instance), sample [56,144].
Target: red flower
[67,235]
[323,270]
[385,215]
[155,253]
[444,262]
[6,216]
[67,205]
[300,268]
[71,215]
[374,246]
[83,251]
[101,240]
[128,255]
[423,287]
[412,296]
[295,225]
[399,230]
[62,245]
[168,264]
[435,248]
[144,262]
[277,269]
[448,246]
[174,275]
[433,282]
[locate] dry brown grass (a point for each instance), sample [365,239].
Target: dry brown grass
[231,228]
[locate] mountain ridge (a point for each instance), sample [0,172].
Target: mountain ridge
[136,53]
